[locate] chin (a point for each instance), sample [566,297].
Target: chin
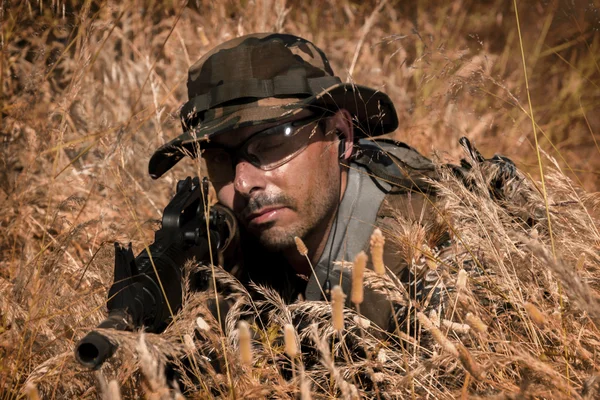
[277,238]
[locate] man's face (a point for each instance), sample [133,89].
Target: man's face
[291,200]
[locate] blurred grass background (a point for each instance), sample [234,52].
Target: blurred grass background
[102,70]
[89,89]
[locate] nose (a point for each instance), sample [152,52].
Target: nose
[248,178]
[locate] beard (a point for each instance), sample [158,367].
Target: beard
[313,215]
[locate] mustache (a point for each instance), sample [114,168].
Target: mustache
[261,201]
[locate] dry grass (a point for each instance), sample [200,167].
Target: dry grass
[89,90]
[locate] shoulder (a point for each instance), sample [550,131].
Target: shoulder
[395,166]
[388,151]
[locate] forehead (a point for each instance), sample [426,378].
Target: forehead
[235,137]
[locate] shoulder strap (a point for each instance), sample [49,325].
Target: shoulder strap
[396,164]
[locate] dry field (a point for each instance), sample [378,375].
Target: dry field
[90,88]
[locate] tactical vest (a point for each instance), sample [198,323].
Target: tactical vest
[388,182]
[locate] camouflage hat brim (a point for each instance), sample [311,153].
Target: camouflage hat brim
[373,112]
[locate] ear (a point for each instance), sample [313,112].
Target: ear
[342,123]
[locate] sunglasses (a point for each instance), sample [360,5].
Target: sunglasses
[267,149]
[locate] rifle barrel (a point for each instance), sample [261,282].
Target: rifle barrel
[94,349]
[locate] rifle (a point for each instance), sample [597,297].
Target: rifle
[148,290]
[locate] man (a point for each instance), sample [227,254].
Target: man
[287,149]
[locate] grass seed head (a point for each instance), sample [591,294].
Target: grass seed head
[535,314]
[439,337]
[245,342]
[302,249]
[202,324]
[338,298]
[32,392]
[461,280]
[362,322]
[456,326]
[189,343]
[358,273]
[289,336]
[377,242]
[476,323]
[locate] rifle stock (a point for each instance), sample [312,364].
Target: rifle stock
[148,289]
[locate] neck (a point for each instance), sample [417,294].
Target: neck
[317,240]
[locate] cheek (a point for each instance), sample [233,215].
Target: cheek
[308,174]
[323,162]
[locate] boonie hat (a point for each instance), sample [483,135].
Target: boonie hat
[264,78]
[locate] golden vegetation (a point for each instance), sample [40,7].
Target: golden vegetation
[376,247]
[89,89]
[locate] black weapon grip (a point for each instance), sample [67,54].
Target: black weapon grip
[148,288]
